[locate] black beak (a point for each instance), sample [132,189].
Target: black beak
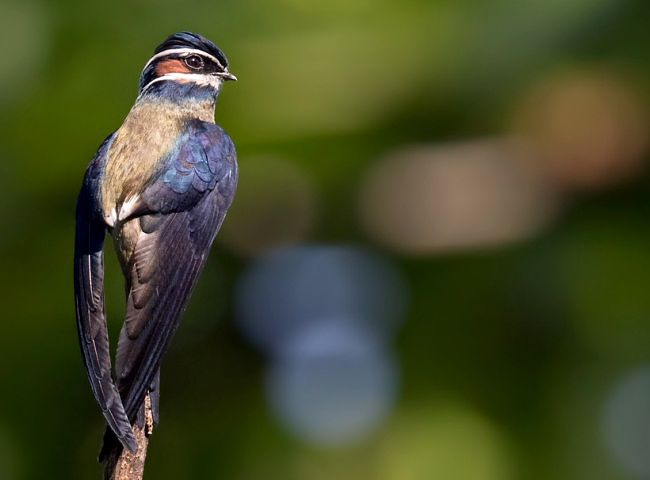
[227,76]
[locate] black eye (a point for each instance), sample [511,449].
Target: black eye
[194,62]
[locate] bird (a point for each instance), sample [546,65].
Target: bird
[160,186]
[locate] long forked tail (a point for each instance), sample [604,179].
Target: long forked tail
[91,322]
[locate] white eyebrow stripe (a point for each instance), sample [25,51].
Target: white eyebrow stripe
[198,78]
[185,51]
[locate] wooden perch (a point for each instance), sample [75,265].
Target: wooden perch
[130,466]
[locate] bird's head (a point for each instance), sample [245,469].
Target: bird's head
[186,59]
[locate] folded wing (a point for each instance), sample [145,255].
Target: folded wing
[182,210]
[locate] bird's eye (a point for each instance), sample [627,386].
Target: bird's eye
[194,62]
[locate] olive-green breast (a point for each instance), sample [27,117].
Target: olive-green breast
[148,132]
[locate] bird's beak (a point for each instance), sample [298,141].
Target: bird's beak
[228,76]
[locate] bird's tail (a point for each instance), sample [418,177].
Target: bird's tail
[111,446]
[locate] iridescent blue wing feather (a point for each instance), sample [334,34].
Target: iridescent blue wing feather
[203,157]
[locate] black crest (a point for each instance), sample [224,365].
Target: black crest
[193,40]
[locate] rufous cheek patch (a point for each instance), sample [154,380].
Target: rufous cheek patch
[171,66]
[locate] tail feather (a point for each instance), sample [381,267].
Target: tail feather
[111,446]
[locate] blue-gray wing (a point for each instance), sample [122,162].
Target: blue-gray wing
[89,301]
[185,205]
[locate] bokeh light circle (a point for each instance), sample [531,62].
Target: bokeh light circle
[289,288]
[590,127]
[332,385]
[444,440]
[473,195]
[626,422]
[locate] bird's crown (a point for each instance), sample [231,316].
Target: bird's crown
[188,40]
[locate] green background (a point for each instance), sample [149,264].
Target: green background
[509,350]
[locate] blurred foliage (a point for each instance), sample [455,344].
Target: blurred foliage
[508,351]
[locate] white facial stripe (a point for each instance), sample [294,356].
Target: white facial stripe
[184,52]
[198,78]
